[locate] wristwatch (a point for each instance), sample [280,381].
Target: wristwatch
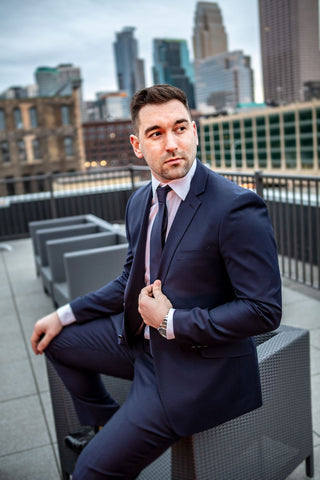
[162,329]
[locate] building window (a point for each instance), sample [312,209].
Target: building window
[36,149]
[305,116]
[65,115]
[41,182]
[260,122]
[275,146]
[26,184]
[68,146]
[216,144]
[33,117]
[207,144]
[17,118]
[249,143]
[261,142]
[5,152]
[236,145]
[2,120]
[290,145]
[11,187]
[318,120]
[274,119]
[22,154]
[306,138]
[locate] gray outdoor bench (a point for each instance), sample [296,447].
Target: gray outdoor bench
[56,250]
[265,444]
[52,238]
[88,270]
[37,225]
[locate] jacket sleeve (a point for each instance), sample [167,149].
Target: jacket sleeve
[248,250]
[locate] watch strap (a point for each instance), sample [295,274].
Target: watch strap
[162,329]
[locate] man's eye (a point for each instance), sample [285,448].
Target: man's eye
[182,128]
[155,134]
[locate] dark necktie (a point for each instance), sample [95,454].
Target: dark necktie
[158,232]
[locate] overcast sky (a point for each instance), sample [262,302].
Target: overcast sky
[37,33]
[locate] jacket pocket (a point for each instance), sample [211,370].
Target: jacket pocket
[230,349]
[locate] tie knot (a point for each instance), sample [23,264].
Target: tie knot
[162,193]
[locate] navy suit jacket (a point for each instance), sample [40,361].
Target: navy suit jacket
[220,270]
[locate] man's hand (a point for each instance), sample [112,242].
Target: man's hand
[44,331]
[153,304]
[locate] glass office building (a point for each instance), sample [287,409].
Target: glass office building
[224,80]
[171,64]
[284,139]
[130,69]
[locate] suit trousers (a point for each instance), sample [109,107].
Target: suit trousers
[134,434]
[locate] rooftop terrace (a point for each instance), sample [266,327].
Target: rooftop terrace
[27,437]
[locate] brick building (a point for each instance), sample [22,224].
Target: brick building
[40,135]
[108,144]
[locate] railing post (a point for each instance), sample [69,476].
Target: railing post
[52,199]
[131,170]
[258,177]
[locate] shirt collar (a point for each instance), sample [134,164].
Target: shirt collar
[180,186]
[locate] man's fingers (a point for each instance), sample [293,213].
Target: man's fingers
[44,331]
[35,339]
[146,291]
[42,345]
[156,289]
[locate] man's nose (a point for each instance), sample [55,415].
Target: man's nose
[171,143]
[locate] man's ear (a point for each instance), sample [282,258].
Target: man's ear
[195,131]
[134,140]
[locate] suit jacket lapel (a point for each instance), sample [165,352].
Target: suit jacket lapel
[136,278]
[187,210]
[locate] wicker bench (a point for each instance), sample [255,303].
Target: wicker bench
[265,444]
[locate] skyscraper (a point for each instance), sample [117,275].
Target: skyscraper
[224,80]
[130,69]
[172,65]
[209,36]
[289,32]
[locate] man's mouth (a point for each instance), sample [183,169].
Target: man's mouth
[174,160]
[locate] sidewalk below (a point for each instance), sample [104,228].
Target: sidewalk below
[28,448]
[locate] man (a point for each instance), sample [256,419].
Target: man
[184,336]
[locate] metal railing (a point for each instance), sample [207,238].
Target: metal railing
[103,193]
[293,203]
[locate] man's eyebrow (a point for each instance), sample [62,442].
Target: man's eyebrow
[150,129]
[157,127]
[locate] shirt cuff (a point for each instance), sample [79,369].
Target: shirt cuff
[66,315]
[170,331]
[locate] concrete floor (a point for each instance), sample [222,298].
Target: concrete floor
[27,438]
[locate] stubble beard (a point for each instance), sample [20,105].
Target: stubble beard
[173,172]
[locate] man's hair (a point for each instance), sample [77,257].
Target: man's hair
[155,95]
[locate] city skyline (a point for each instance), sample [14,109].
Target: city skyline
[47,33]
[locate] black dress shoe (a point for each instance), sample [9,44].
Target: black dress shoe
[76,441]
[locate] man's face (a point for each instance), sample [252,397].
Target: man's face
[167,139]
